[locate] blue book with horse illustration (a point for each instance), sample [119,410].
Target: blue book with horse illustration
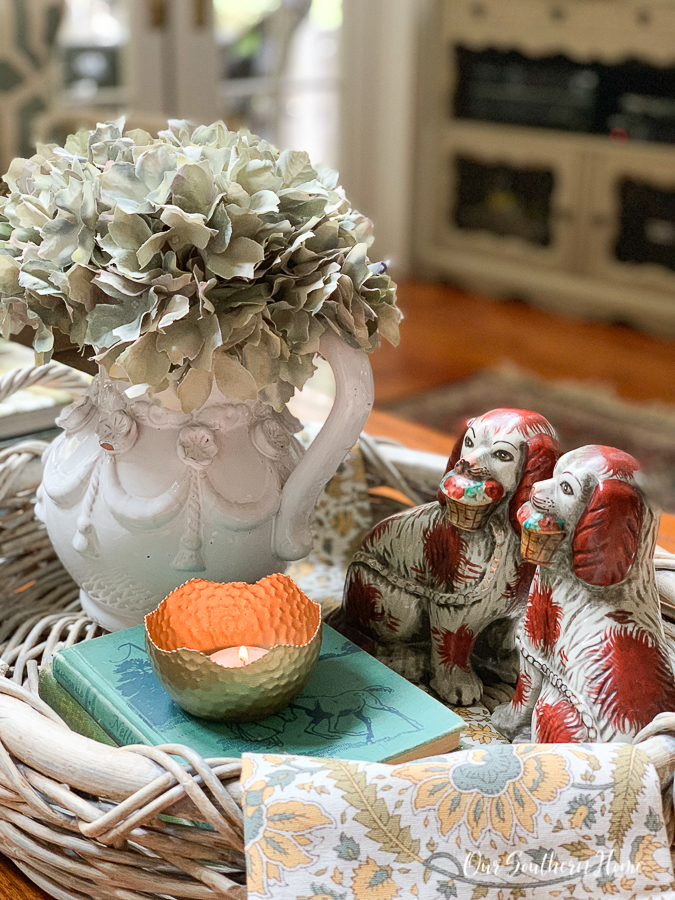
[353,707]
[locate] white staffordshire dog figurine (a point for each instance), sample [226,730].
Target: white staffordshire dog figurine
[594,660]
[429,581]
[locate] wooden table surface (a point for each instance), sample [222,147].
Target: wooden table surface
[13,885]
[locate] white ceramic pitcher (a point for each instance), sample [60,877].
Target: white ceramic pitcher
[139,498]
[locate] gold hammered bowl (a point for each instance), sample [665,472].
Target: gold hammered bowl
[201,617]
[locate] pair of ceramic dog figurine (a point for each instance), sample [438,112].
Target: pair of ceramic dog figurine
[530,566]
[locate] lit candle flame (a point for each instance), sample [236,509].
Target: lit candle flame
[243,655]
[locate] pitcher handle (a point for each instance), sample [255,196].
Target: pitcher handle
[353,402]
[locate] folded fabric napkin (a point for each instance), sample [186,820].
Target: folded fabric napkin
[500,822]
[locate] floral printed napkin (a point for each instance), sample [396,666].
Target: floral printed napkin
[500,822]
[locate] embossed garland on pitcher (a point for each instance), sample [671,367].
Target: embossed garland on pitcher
[135,493]
[117,425]
[595,664]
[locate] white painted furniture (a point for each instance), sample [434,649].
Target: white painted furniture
[577,270]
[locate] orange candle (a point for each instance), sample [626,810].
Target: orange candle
[236,657]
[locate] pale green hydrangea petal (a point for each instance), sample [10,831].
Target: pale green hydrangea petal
[233,379]
[10,270]
[194,389]
[237,261]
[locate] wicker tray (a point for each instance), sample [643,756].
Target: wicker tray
[80,819]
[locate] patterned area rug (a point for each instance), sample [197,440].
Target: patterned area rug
[581,414]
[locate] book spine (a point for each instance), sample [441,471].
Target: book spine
[74,715]
[83,684]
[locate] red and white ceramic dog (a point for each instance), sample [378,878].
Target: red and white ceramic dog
[428,582]
[594,660]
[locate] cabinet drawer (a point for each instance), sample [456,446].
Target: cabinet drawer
[513,195]
[586,30]
[632,218]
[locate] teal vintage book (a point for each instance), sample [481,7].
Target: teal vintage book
[353,707]
[68,708]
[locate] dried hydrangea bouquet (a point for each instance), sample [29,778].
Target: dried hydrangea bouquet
[203,270]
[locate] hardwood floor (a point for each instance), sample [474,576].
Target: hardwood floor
[448,335]
[14,886]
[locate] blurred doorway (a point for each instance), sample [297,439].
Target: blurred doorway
[280,71]
[337,78]
[94,37]
[269,65]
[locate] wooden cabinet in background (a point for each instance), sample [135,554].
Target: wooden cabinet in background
[517,197]
[631,222]
[547,155]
